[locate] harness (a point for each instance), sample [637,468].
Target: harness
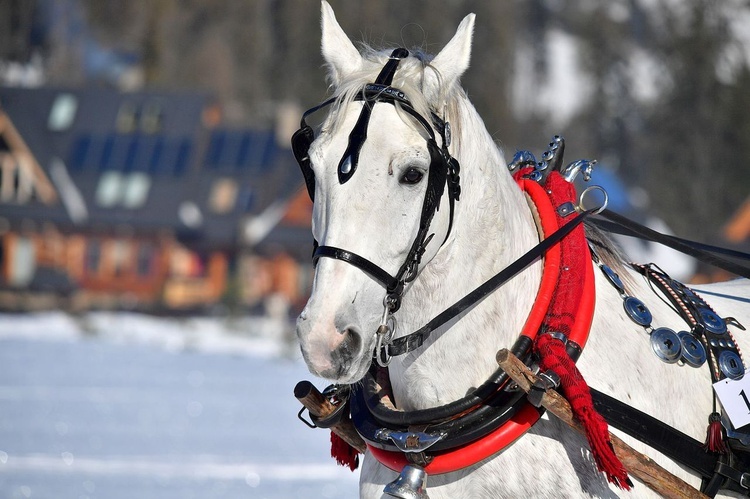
[721,465]
[493,416]
[462,433]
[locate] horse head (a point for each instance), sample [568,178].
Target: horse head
[384,186]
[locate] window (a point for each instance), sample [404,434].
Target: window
[127,118]
[145,259]
[120,256]
[109,190]
[144,152]
[63,113]
[122,152]
[151,119]
[126,190]
[135,190]
[23,263]
[79,152]
[190,214]
[223,196]
[93,256]
[105,160]
[215,147]
[171,156]
[183,156]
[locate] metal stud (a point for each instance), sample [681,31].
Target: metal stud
[536,176]
[613,278]
[731,365]
[521,159]
[410,484]
[712,321]
[693,351]
[666,345]
[637,311]
[346,165]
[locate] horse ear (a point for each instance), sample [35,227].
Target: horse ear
[452,61]
[339,52]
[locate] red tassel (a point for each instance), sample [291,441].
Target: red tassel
[554,357]
[715,435]
[343,453]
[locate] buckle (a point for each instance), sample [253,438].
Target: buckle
[745,480]
[545,380]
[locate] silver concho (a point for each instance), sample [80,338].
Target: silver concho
[666,345]
[693,351]
[712,321]
[731,365]
[637,311]
[613,278]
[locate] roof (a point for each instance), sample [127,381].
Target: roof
[147,160]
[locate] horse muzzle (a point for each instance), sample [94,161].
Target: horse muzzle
[336,354]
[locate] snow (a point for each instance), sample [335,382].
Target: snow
[254,336]
[119,405]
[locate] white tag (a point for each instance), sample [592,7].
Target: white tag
[734,396]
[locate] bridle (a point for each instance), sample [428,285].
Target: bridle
[443,171]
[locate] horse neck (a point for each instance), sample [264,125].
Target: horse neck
[493,226]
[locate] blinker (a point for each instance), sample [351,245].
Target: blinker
[358,135]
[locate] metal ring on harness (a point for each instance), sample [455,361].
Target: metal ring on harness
[580,206]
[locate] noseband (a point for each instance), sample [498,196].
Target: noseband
[443,170]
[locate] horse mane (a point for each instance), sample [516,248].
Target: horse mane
[409,79]
[609,252]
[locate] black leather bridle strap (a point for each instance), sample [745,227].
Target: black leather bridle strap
[387,280]
[350,159]
[411,342]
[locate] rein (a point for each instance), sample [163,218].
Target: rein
[618,224]
[411,342]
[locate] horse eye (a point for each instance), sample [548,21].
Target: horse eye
[412,176]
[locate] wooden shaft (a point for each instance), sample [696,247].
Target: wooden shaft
[320,407]
[639,465]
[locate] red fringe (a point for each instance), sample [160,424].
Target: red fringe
[554,357]
[343,453]
[561,316]
[715,435]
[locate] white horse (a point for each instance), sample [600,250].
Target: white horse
[376,213]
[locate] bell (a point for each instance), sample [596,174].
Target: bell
[410,484]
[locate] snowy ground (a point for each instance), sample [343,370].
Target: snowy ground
[129,406]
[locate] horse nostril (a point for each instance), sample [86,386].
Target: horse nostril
[349,346]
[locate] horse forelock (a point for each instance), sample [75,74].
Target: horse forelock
[409,78]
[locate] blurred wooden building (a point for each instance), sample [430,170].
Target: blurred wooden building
[144,200]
